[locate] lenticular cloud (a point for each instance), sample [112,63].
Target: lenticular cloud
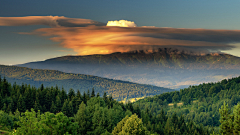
[121,23]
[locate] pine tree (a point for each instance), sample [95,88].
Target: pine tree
[93,93]
[21,104]
[88,94]
[79,94]
[58,104]
[4,107]
[81,119]
[226,126]
[48,100]
[28,99]
[71,94]
[53,108]
[70,109]
[168,127]
[36,106]
[236,123]
[65,107]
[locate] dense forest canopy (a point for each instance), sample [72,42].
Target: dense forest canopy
[26,109]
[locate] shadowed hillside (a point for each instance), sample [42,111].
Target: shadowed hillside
[118,89]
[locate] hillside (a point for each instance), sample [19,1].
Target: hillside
[166,68]
[118,89]
[58,112]
[199,103]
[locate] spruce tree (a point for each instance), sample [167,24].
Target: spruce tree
[226,126]
[81,119]
[93,93]
[53,108]
[58,104]
[71,93]
[21,104]
[236,122]
[65,107]
[36,106]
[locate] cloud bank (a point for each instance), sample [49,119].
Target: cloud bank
[87,37]
[52,21]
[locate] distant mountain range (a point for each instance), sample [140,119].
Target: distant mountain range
[118,89]
[166,67]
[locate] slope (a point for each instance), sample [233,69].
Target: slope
[118,89]
[199,103]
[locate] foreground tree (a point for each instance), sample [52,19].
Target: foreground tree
[47,123]
[130,126]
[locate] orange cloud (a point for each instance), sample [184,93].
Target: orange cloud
[86,36]
[105,40]
[52,21]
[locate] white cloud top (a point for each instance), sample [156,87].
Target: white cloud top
[121,23]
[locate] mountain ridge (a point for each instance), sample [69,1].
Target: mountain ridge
[166,67]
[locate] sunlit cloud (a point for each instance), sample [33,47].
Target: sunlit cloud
[104,40]
[87,37]
[121,23]
[52,21]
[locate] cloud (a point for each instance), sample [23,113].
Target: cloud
[121,23]
[86,36]
[104,39]
[52,21]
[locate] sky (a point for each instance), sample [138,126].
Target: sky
[33,30]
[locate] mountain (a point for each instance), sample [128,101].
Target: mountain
[118,89]
[166,67]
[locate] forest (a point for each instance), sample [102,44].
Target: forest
[210,108]
[26,110]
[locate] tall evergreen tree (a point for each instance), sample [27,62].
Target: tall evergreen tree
[93,93]
[71,93]
[21,104]
[65,107]
[226,126]
[236,122]
[81,119]
[53,108]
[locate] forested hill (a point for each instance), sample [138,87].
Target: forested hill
[118,89]
[27,110]
[200,103]
[166,67]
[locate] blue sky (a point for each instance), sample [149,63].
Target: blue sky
[21,48]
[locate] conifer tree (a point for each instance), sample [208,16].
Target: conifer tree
[226,126]
[70,109]
[236,122]
[71,94]
[81,119]
[21,104]
[53,108]
[88,94]
[36,106]
[93,93]
[79,95]
[65,107]
[58,104]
